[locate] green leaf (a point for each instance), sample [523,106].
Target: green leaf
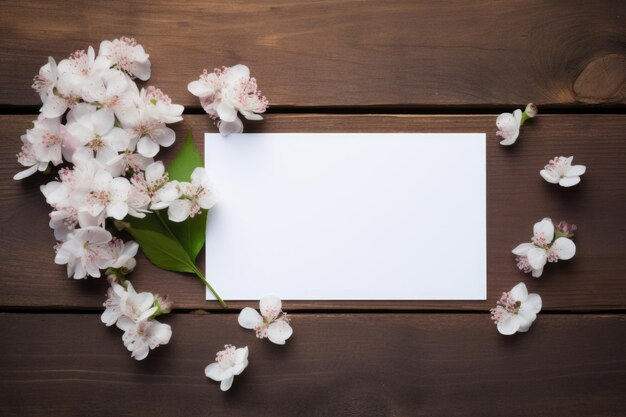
[159,246]
[191,232]
[186,161]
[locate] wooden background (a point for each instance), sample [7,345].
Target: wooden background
[353,66]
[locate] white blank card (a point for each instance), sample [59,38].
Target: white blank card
[347,216]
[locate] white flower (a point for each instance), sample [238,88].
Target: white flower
[184,199]
[46,136]
[109,94]
[516,310]
[46,80]
[561,171]
[127,55]
[108,196]
[271,323]
[228,363]
[226,91]
[150,181]
[29,159]
[123,254]
[95,130]
[532,257]
[143,336]
[509,124]
[85,252]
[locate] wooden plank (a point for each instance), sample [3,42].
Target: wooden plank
[517,198]
[330,53]
[335,365]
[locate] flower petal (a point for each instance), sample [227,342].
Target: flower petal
[569,181]
[147,147]
[226,112]
[509,325]
[549,176]
[226,128]
[546,228]
[199,89]
[249,318]
[576,171]
[279,331]
[564,248]
[519,292]
[522,249]
[227,383]
[537,258]
[533,303]
[270,307]
[536,273]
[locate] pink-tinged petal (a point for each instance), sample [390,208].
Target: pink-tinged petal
[576,171]
[103,120]
[118,139]
[537,258]
[509,325]
[158,332]
[511,139]
[117,210]
[249,318]
[569,181]
[533,303]
[544,228]
[226,112]
[142,70]
[270,307]
[199,89]
[549,176]
[278,332]
[163,135]
[147,147]
[155,171]
[519,292]
[564,248]
[522,249]
[237,72]
[54,106]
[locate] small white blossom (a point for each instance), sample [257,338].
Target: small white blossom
[123,254]
[228,363]
[85,252]
[509,124]
[516,310]
[127,55]
[561,171]
[28,158]
[226,91]
[532,257]
[271,323]
[143,336]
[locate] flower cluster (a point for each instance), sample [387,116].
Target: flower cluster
[272,323]
[96,121]
[544,248]
[225,92]
[134,313]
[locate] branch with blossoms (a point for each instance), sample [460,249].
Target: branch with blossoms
[99,133]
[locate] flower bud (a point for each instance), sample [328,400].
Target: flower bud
[565,229]
[165,303]
[531,110]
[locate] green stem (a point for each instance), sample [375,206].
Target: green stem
[203,279]
[195,268]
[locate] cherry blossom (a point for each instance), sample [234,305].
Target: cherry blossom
[509,124]
[127,55]
[143,336]
[85,252]
[544,248]
[123,254]
[271,323]
[516,310]
[228,363]
[561,171]
[108,196]
[184,199]
[28,158]
[226,91]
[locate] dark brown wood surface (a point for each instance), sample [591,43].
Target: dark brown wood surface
[335,365]
[442,66]
[517,197]
[344,53]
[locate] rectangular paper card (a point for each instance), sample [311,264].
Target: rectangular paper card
[347,216]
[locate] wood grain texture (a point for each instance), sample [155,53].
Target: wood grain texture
[334,365]
[517,198]
[343,53]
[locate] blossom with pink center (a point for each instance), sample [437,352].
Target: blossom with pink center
[226,91]
[516,310]
[28,158]
[228,363]
[509,124]
[150,181]
[184,199]
[127,55]
[143,336]
[108,196]
[561,171]
[123,254]
[544,248]
[46,80]
[272,323]
[85,252]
